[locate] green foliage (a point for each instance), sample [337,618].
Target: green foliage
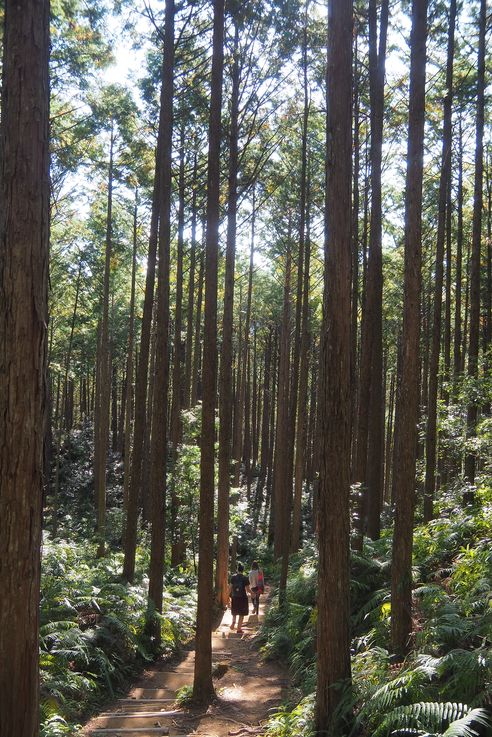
[427,719]
[445,684]
[289,631]
[184,696]
[92,633]
[295,722]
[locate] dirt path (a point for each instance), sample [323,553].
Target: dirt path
[247,688]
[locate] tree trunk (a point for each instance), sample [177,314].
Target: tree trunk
[473,345]
[333,637]
[375,437]
[191,290]
[355,248]
[280,493]
[431,431]
[241,397]
[369,438]
[302,416]
[24,237]
[203,689]
[389,441]
[225,379]
[140,421]
[301,337]
[459,262]
[158,447]
[195,375]
[265,430]
[447,311]
[103,374]
[129,363]
[177,397]
[404,461]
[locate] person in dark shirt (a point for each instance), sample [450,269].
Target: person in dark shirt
[238,595]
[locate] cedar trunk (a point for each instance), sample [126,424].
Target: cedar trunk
[444,183]
[203,689]
[158,447]
[473,346]
[407,409]
[225,393]
[24,236]
[333,638]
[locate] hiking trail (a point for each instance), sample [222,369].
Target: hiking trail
[247,689]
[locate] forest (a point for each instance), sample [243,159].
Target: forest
[246,315]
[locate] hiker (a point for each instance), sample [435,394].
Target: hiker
[238,594]
[257,585]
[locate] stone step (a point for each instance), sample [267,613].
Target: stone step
[153,693]
[169,680]
[156,701]
[139,721]
[138,714]
[132,731]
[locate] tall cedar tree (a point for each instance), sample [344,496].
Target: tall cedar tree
[368,470]
[444,184]
[158,446]
[140,421]
[333,638]
[203,688]
[129,361]
[225,394]
[24,236]
[103,371]
[407,410]
[375,437]
[299,429]
[473,346]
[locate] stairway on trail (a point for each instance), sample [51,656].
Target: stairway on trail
[150,707]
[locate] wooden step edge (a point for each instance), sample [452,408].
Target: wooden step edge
[135,714]
[153,688]
[131,700]
[130,730]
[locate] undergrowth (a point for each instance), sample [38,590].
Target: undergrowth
[444,687]
[92,633]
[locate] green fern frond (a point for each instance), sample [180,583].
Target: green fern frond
[464,727]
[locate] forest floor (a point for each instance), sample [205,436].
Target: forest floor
[247,689]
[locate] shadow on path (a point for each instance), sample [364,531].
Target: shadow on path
[247,689]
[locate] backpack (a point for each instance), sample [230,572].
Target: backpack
[238,586]
[261,582]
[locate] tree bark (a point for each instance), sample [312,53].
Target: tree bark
[175,432]
[140,421]
[445,177]
[158,447]
[301,337]
[333,637]
[195,375]
[103,373]
[369,437]
[225,379]
[203,689]
[404,461]
[24,238]
[280,493]
[129,363]
[191,290]
[459,262]
[474,336]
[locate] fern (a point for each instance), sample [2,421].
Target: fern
[433,718]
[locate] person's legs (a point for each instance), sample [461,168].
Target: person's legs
[233,622]
[239,623]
